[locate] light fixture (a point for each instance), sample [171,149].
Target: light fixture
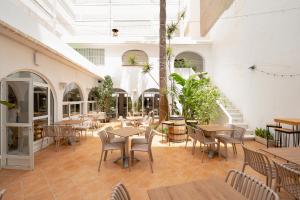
[115,32]
[253,67]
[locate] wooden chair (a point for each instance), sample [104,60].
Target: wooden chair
[260,163]
[144,148]
[108,146]
[249,187]
[288,179]
[206,141]
[2,192]
[237,137]
[191,133]
[120,193]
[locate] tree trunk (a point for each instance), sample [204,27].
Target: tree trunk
[163,100]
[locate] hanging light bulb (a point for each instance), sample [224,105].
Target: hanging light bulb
[115,32]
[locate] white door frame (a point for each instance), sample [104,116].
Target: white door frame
[29,159]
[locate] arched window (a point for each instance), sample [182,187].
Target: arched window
[189,59]
[134,58]
[72,100]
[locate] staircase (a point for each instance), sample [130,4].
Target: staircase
[235,116]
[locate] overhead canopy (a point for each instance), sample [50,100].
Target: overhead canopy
[210,11]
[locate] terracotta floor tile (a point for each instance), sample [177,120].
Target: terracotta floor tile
[71,173]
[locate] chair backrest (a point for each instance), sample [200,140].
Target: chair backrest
[288,179]
[104,138]
[65,131]
[120,193]
[238,133]
[249,187]
[145,117]
[151,136]
[2,193]
[50,131]
[190,130]
[257,161]
[147,133]
[110,135]
[200,135]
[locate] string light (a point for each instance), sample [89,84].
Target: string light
[254,68]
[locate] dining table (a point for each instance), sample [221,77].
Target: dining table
[206,189]
[134,119]
[211,130]
[70,122]
[295,131]
[126,132]
[289,154]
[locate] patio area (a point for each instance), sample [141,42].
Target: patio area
[71,173]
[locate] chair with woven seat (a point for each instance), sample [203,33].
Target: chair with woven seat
[124,122]
[249,187]
[120,193]
[108,146]
[288,179]
[236,137]
[191,133]
[143,140]
[206,141]
[260,163]
[144,148]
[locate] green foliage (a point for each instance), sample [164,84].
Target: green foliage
[132,60]
[103,94]
[184,63]
[147,68]
[264,133]
[198,97]
[7,104]
[169,52]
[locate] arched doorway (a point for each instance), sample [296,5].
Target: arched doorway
[122,103]
[189,59]
[72,100]
[149,101]
[33,101]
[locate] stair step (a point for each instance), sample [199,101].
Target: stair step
[236,115]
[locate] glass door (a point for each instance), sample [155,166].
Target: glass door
[16,124]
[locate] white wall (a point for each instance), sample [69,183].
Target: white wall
[271,41]
[131,78]
[16,57]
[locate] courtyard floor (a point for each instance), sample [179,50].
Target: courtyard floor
[71,173]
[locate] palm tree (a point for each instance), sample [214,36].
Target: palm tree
[163,101]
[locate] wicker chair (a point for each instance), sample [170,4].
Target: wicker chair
[2,193]
[85,126]
[108,146]
[249,187]
[120,193]
[144,148]
[112,137]
[142,140]
[191,133]
[288,179]
[260,163]
[206,141]
[237,137]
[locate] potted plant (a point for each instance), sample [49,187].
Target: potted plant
[261,136]
[132,60]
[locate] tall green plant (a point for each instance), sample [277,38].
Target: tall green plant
[103,94]
[7,104]
[198,97]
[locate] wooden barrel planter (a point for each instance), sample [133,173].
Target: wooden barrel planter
[177,132]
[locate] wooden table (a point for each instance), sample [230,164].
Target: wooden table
[289,154]
[126,132]
[211,130]
[295,123]
[198,190]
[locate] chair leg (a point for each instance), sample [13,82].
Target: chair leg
[186,140]
[151,155]
[100,161]
[203,152]
[150,162]
[244,166]
[194,146]
[105,155]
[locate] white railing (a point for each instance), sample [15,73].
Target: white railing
[225,111]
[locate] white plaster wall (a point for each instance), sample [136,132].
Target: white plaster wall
[131,78]
[271,41]
[16,57]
